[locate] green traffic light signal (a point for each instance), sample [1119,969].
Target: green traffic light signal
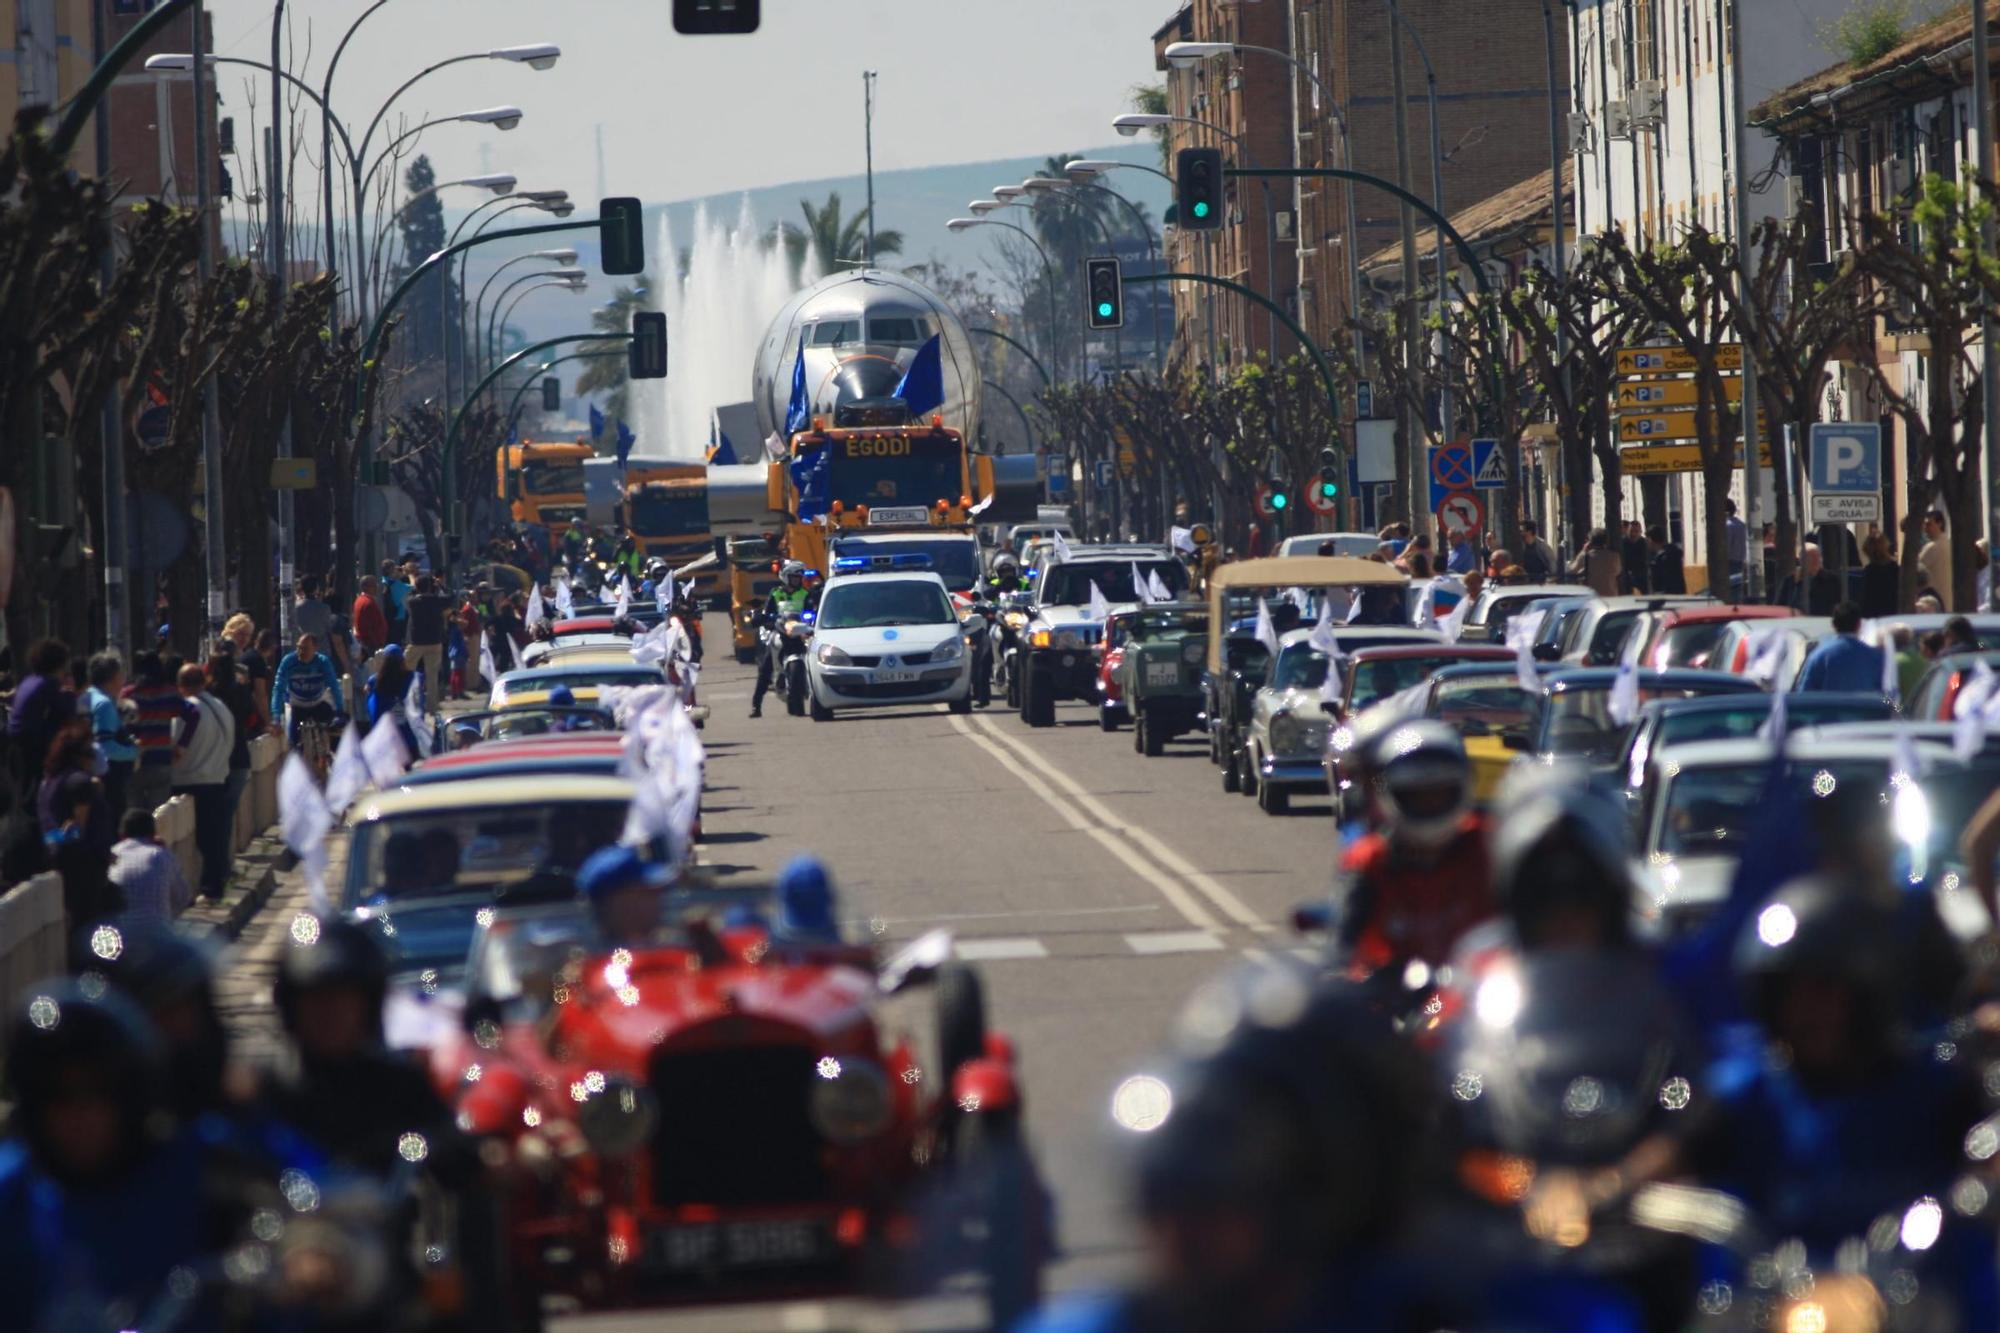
[1328,490]
[1201,210]
[1279,500]
[1105,310]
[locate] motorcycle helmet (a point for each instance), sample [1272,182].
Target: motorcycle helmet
[656,570]
[1005,566]
[170,976]
[793,573]
[1559,850]
[1423,781]
[325,954]
[1814,929]
[1293,1103]
[75,1037]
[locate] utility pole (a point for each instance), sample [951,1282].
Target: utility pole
[1753,524]
[211,421]
[1558,227]
[1412,423]
[1989,379]
[868,77]
[115,541]
[279,257]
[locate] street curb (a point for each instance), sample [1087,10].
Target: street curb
[256,871]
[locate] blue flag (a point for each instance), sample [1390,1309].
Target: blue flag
[923,383]
[596,423]
[812,476]
[626,439]
[798,415]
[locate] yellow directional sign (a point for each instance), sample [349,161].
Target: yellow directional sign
[1647,427]
[1674,360]
[1656,459]
[1128,458]
[1650,395]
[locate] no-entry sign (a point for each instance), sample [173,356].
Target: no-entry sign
[1461,512]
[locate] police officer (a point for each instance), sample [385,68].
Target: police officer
[1003,577]
[789,598]
[1418,882]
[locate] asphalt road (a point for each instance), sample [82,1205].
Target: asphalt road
[1094,888]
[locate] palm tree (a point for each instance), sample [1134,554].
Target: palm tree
[606,374]
[832,239]
[1151,98]
[1074,223]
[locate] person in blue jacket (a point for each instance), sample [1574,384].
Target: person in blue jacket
[1844,662]
[309,684]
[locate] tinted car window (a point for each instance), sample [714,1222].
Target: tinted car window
[884,602]
[1300,667]
[1486,706]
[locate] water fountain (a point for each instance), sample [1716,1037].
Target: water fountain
[716,313]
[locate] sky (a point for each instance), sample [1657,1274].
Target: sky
[683,117]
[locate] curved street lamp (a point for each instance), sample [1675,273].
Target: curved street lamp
[494,323]
[1048,269]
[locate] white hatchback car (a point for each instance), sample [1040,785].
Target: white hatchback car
[887,640]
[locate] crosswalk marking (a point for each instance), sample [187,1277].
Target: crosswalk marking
[996,950]
[1174,941]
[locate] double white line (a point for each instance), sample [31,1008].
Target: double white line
[1197,896]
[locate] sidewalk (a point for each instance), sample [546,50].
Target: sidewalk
[250,967]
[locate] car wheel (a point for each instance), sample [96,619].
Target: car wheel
[1107,717]
[961,1018]
[1012,675]
[1038,699]
[820,712]
[1232,780]
[1273,799]
[1152,741]
[1214,748]
[960,705]
[795,692]
[1246,763]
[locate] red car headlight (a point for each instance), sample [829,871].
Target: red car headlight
[619,1120]
[850,1100]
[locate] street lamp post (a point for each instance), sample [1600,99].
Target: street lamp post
[564,255]
[490,343]
[503,313]
[548,200]
[499,184]
[1048,268]
[1437,194]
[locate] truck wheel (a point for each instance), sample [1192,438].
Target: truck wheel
[1038,699]
[1273,799]
[1152,741]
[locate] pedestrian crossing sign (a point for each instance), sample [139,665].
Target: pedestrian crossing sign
[1489,466]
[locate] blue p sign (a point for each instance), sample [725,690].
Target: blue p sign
[1846,457]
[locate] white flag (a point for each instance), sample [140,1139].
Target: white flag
[1098,609]
[1778,725]
[348,773]
[565,601]
[304,821]
[1181,539]
[1521,632]
[1140,588]
[385,754]
[664,594]
[1324,638]
[1267,632]
[537,614]
[1883,636]
[1767,657]
[1062,549]
[418,718]
[1354,606]
[984,505]
[1968,712]
[1623,705]
[1157,587]
[486,666]
[623,606]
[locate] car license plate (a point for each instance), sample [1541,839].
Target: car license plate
[739,1245]
[898,515]
[1162,673]
[894,677]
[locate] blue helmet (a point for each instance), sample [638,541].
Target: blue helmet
[611,869]
[562,697]
[805,898]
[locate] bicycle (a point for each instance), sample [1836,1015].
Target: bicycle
[312,737]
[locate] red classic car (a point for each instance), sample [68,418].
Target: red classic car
[722,1115]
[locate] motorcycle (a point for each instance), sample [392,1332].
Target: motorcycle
[979,629]
[787,642]
[1004,649]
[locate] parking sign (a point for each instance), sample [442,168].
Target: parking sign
[1846,458]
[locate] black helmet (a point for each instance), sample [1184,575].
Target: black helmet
[330,953]
[1294,1100]
[1813,927]
[1559,843]
[160,968]
[1423,780]
[65,1025]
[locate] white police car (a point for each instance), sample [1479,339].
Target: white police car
[887,639]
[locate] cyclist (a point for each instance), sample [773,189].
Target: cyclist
[309,685]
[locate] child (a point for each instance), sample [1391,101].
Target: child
[454,656]
[145,871]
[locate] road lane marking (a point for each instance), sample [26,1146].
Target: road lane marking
[1220,894]
[1177,897]
[872,923]
[998,950]
[1174,941]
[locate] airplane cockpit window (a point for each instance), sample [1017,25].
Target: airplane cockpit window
[836,333]
[900,331]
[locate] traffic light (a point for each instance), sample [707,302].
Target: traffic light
[551,394]
[1280,499]
[1198,188]
[1104,287]
[707,18]
[1329,474]
[648,348]
[621,236]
